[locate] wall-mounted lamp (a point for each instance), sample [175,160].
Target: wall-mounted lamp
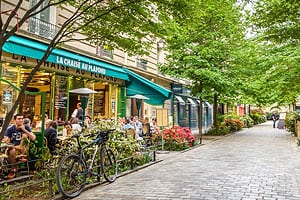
[161,44]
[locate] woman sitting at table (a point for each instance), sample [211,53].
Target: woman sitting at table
[67,130]
[76,126]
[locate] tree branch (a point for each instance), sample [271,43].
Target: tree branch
[8,21]
[29,13]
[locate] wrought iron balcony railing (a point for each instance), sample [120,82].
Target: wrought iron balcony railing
[42,28]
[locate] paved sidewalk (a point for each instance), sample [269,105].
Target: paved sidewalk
[256,163]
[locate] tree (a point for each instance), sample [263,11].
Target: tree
[201,47]
[130,25]
[276,27]
[277,21]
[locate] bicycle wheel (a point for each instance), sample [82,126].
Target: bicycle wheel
[71,175]
[108,164]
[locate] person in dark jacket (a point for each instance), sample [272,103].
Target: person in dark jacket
[51,135]
[274,118]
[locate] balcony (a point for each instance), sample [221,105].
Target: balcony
[42,28]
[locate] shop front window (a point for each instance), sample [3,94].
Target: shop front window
[194,116]
[100,99]
[74,99]
[183,115]
[90,103]
[31,103]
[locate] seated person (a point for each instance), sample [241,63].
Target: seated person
[51,135]
[67,130]
[146,128]
[76,126]
[87,121]
[16,134]
[128,125]
[138,126]
[129,128]
[27,122]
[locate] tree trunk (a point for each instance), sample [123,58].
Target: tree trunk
[249,110]
[200,113]
[215,110]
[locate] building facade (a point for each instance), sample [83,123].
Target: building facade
[112,73]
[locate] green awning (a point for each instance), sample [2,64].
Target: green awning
[140,85]
[30,48]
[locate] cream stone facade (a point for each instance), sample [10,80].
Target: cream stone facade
[57,77]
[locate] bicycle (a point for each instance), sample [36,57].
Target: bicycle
[73,169]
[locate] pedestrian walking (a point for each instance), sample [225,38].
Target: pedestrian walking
[274,118]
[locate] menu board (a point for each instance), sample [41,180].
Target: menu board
[60,103]
[61,92]
[162,117]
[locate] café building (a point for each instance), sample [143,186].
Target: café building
[63,71]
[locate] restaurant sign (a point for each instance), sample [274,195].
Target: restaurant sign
[79,65]
[66,66]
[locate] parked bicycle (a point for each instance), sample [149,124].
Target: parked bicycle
[92,159]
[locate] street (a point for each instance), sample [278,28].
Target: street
[255,163]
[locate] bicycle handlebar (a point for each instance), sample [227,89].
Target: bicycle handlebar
[77,135]
[99,133]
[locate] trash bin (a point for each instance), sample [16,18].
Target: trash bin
[280,124]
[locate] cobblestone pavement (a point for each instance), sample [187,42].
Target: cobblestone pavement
[256,163]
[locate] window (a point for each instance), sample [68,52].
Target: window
[104,51]
[141,63]
[61,96]
[40,24]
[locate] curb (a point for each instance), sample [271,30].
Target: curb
[92,185]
